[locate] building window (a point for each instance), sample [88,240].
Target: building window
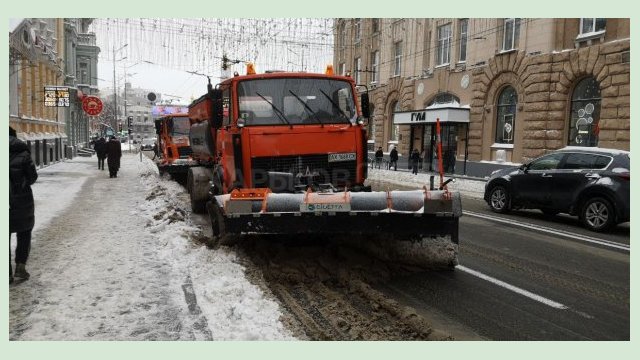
[375,25]
[342,33]
[444,44]
[592,25]
[462,37]
[507,104]
[357,30]
[445,98]
[585,113]
[375,66]
[511,34]
[393,128]
[357,70]
[397,68]
[372,124]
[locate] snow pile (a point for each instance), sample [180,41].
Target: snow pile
[235,309]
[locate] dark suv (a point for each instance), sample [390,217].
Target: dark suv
[591,183]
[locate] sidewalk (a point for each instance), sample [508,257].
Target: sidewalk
[469,187]
[119,259]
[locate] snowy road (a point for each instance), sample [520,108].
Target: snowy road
[118,259]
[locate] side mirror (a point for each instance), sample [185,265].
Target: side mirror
[524,167]
[217,108]
[364,105]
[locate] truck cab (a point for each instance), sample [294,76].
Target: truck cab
[174,147]
[287,131]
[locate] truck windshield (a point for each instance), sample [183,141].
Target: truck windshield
[298,100]
[181,126]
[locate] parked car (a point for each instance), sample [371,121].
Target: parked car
[589,182]
[147,144]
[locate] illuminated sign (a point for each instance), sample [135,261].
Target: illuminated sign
[55,96]
[161,110]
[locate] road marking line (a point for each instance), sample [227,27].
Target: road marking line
[513,288]
[552,231]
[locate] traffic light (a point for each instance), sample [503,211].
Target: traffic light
[129,124]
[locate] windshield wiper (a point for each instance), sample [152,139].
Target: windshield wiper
[313,114]
[275,108]
[346,117]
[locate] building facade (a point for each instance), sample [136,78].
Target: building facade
[81,64]
[132,103]
[45,55]
[504,90]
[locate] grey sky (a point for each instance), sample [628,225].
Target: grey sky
[161,53]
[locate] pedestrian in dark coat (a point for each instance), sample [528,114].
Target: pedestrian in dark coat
[114,153]
[100,147]
[155,151]
[393,159]
[22,174]
[415,161]
[379,155]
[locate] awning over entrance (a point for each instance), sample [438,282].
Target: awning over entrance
[446,113]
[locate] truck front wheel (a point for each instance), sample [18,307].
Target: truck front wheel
[198,203]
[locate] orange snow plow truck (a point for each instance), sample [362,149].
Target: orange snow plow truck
[174,149]
[286,153]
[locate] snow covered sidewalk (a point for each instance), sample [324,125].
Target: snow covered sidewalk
[118,259]
[466,187]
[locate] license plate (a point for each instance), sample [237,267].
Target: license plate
[342,157]
[326,207]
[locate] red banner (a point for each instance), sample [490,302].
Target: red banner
[92,105]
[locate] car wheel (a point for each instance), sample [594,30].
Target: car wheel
[499,199]
[598,214]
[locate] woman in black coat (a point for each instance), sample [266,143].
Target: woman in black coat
[101,152]
[114,153]
[22,174]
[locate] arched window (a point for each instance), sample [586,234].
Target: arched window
[585,113]
[393,128]
[371,127]
[506,120]
[444,98]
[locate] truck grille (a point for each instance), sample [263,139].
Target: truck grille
[339,173]
[184,152]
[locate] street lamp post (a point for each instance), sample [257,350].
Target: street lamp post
[115,89]
[126,115]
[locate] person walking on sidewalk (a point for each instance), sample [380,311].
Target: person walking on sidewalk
[22,174]
[379,156]
[155,151]
[415,160]
[114,153]
[393,159]
[100,147]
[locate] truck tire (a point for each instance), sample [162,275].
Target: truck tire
[197,180]
[219,236]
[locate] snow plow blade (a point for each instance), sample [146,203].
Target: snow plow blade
[404,215]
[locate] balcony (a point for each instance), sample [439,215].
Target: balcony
[87,39]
